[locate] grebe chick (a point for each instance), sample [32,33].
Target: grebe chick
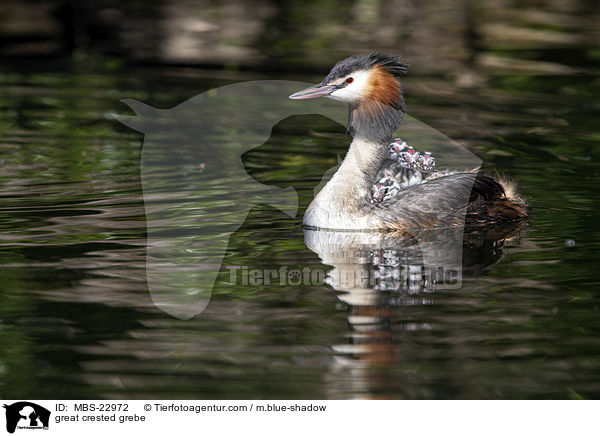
[387,185]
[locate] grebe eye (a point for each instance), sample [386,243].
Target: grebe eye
[349,80]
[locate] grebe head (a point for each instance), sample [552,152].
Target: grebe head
[370,85]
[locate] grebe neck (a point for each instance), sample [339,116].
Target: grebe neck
[375,120]
[343,201]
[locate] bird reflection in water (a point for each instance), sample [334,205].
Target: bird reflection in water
[383,278]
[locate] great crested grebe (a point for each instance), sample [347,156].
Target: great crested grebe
[388,185]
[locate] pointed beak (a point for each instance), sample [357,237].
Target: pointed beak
[313,92]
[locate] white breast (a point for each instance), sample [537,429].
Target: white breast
[338,204]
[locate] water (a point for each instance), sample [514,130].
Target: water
[77,320]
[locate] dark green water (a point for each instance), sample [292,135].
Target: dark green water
[77,321]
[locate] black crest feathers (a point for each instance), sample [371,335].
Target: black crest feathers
[393,64]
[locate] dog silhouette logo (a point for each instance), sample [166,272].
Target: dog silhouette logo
[26,415]
[195,186]
[196,190]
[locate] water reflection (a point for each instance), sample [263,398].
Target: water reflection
[380,276]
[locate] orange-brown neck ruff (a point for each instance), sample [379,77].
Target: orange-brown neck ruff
[380,111]
[384,88]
